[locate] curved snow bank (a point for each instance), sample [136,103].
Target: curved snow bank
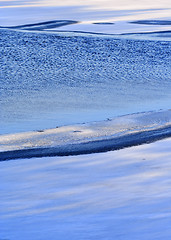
[92,137]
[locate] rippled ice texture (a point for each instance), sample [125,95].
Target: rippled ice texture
[49,80]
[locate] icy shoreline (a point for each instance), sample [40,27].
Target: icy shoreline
[111,134]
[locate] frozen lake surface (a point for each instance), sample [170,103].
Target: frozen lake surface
[53,72]
[54,79]
[123,194]
[63,65]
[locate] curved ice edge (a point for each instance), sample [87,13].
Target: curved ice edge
[140,36]
[91,146]
[152,22]
[110,134]
[164,35]
[42,25]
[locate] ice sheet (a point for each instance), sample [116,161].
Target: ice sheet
[116,195]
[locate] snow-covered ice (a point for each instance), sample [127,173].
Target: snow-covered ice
[91,137]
